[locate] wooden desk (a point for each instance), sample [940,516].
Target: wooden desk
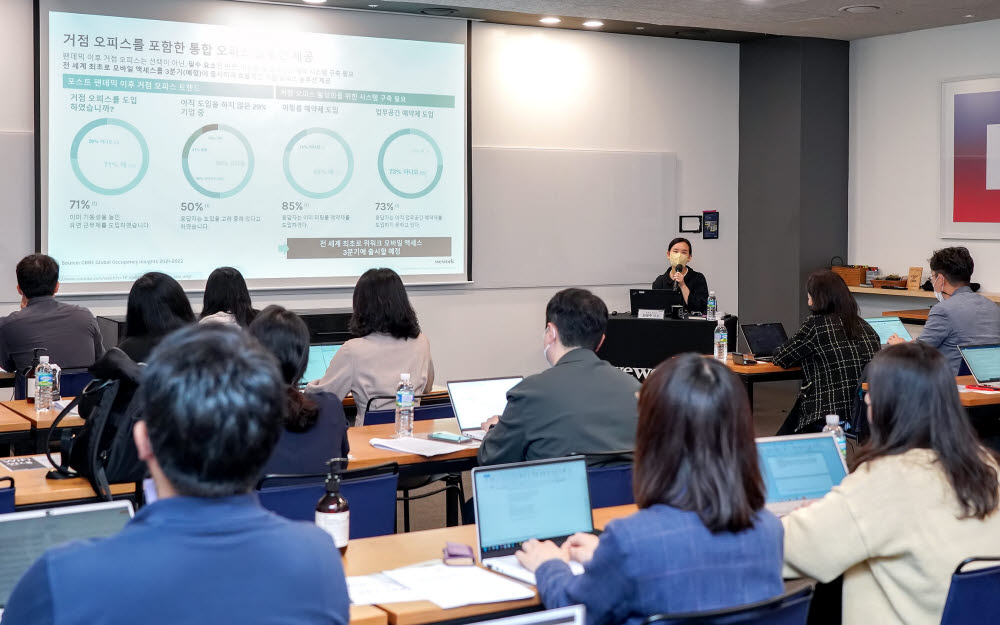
[11,421]
[969,399]
[33,490]
[364,455]
[368,615]
[372,555]
[909,316]
[761,372]
[44,420]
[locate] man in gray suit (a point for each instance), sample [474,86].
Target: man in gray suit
[582,404]
[962,317]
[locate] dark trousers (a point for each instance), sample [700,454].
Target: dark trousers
[791,424]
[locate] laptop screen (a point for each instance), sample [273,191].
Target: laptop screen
[887,326]
[319,360]
[475,401]
[516,502]
[983,361]
[799,467]
[764,338]
[572,615]
[25,536]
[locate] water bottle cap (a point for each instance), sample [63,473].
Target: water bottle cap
[832,419]
[404,376]
[43,359]
[711,292]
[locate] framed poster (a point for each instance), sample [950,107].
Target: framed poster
[970,159]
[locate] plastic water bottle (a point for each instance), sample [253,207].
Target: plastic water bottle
[713,306]
[404,407]
[45,378]
[721,342]
[833,425]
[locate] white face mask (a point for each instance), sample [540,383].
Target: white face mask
[938,294]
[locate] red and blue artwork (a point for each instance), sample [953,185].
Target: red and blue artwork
[976,200]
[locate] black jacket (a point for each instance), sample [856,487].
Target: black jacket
[698,300]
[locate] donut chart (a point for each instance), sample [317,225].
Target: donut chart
[410,163]
[217,161]
[109,156]
[318,163]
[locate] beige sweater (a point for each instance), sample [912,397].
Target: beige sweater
[370,366]
[892,529]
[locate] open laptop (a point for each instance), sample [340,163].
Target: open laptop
[543,499]
[572,615]
[763,339]
[887,326]
[653,299]
[984,363]
[25,536]
[799,469]
[475,401]
[319,360]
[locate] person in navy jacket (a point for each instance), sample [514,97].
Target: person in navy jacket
[701,539]
[205,551]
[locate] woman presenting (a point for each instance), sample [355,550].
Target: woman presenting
[692,285]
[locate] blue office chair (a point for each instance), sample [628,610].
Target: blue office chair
[6,495]
[609,478]
[974,596]
[73,381]
[370,493]
[791,608]
[420,413]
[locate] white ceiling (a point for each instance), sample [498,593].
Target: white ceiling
[803,18]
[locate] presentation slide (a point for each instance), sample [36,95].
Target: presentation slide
[179,147]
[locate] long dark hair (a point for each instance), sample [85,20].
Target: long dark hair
[915,405]
[831,297]
[285,335]
[156,306]
[695,445]
[381,305]
[226,291]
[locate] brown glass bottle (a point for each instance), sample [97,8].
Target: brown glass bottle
[333,513]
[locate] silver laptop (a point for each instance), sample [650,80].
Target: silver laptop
[572,615]
[475,401]
[543,499]
[984,363]
[25,536]
[799,469]
[887,326]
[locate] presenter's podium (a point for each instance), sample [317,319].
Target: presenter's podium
[637,346]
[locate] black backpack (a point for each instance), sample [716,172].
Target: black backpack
[103,450]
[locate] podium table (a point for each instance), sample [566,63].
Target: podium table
[637,346]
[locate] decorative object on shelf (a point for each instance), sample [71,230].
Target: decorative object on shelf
[892,280]
[915,277]
[852,275]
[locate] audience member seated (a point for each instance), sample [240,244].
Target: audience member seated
[205,552]
[315,426]
[389,343]
[701,539]
[962,317]
[581,404]
[692,285]
[69,333]
[157,305]
[833,347]
[922,499]
[227,299]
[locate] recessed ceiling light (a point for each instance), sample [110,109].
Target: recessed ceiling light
[968,16]
[372,6]
[640,28]
[314,1]
[593,24]
[550,20]
[860,8]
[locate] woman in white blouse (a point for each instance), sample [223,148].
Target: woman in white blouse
[389,343]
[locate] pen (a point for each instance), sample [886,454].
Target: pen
[974,387]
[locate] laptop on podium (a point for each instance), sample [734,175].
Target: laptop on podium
[799,469]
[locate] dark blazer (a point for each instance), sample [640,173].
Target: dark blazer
[68,332]
[582,404]
[831,365]
[664,560]
[695,282]
[307,452]
[189,560]
[138,348]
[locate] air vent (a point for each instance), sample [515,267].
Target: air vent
[439,11]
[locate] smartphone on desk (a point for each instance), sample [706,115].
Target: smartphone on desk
[448,437]
[740,359]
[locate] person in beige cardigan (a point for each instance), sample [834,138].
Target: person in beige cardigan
[923,497]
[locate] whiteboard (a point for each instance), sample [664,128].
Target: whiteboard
[570,217]
[17,180]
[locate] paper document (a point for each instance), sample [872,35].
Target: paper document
[455,586]
[420,446]
[378,588]
[58,405]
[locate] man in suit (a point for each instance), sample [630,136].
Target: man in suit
[581,404]
[205,551]
[962,317]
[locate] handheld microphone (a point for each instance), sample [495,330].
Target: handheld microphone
[677,285]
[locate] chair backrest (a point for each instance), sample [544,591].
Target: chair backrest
[974,596]
[6,494]
[791,608]
[609,478]
[427,399]
[420,413]
[370,493]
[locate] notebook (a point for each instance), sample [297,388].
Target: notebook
[25,536]
[475,401]
[799,469]
[887,326]
[543,499]
[984,363]
[763,339]
[319,360]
